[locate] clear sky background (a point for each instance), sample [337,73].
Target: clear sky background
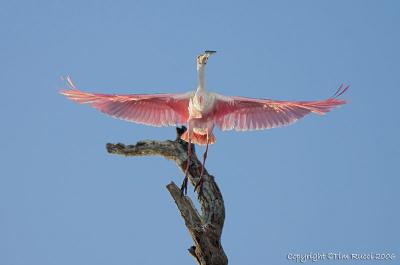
[324,184]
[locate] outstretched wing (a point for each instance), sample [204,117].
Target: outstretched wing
[151,109]
[244,114]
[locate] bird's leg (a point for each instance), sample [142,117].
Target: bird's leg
[185,180]
[201,179]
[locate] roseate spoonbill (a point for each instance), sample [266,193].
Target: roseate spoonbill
[201,110]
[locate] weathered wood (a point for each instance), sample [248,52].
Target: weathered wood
[205,228]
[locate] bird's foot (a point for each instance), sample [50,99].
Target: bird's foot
[184,186]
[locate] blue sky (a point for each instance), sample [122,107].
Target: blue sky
[324,184]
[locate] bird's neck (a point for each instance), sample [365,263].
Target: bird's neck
[200,74]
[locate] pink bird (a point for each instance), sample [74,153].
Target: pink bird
[202,110]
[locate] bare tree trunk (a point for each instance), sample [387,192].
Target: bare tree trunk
[205,228]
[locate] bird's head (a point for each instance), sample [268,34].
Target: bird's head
[203,58]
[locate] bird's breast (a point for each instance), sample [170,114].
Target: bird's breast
[200,105]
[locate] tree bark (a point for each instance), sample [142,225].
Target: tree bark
[205,228]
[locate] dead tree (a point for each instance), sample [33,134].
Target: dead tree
[205,228]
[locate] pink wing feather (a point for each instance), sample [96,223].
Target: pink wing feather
[154,109]
[244,114]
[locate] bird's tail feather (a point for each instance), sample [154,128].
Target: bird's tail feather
[200,139]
